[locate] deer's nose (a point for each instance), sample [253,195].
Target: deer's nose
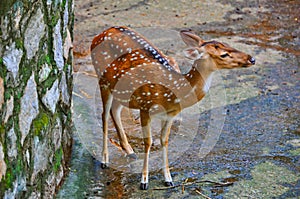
[252,60]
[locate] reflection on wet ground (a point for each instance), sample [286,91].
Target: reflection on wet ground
[258,147]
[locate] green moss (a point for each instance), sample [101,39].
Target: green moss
[17,107]
[40,123]
[55,18]
[8,179]
[2,68]
[19,43]
[268,181]
[19,166]
[58,159]
[63,5]
[5,7]
[7,94]
[47,59]
[2,134]
[25,71]
[18,95]
[44,59]
[295,152]
[66,66]
[47,84]
[2,129]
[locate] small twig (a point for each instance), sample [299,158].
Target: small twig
[91,74]
[201,194]
[88,73]
[116,144]
[171,187]
[76,94]
[85,94]
[217,184]
[183,185]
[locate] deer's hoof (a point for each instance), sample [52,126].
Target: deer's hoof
[144,186]
[169,184]
[104,166]
[132,156]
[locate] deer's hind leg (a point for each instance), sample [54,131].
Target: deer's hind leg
[115,112]
[107,102]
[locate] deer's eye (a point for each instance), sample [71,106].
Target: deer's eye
[225,55]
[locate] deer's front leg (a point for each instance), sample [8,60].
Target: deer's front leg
[107,101]
[164,139]
[146,128]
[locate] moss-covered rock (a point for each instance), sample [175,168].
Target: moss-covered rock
[35,137]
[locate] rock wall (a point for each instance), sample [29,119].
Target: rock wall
[35,96]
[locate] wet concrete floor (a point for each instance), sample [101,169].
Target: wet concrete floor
[241,141]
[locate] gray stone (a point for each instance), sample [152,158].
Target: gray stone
[35,195]
[64,90]
[12,58]
[17,19]
[69,72]
[50,185]
[67,44]
[19,185]
[28,157]
[66,15]
[1,93]
[57,133]
[10,194]
[58,46]
[12,144]
[49,2]
[9,108]
[2,163]
[50,99]
[4,27]
[29,107]
[42,154]
[59,175]
[44,72]
[33,34]
[56,3]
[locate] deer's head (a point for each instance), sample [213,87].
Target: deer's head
[221,54]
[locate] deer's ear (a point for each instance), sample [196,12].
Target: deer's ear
[193,53]
[190,38]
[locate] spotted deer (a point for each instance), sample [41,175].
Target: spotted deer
[133,73]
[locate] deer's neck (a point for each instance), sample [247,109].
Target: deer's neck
[199,77]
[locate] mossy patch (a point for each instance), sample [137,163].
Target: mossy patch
[40,123]
[44,59]
[19,166]
[2,130]
[55,18]
[19,43]
[58,159]
[47,84]
[268,181]
[8,179]
[217,176]
[295,152]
